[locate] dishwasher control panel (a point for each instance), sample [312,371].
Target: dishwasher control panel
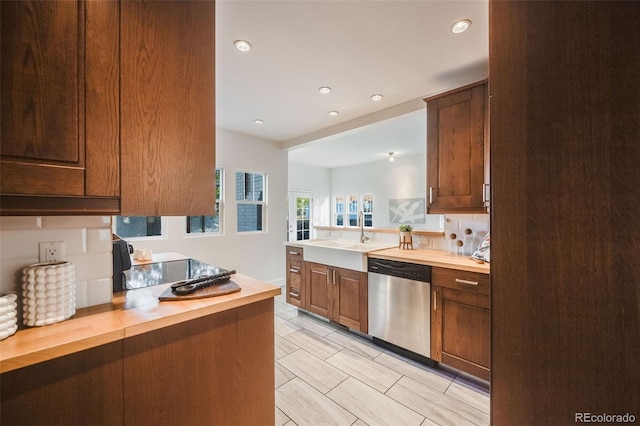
[410,271]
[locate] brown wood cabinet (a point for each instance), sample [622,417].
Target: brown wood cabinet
[212,370]
[458,151]
[461,320]
[338,294]
[60,118]
[296,276]
[168,107]
[107,108]
[565,156]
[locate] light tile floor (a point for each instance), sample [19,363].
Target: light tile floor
[326,375]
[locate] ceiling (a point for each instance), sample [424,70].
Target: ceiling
[401,49]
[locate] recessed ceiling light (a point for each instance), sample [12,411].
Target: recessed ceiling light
[391,154]
[376,97]
[242,45]
[460,26]
[333,113]
[325,90]
[258,121]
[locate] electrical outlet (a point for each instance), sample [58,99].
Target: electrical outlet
[52,251]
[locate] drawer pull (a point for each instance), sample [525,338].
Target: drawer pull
[295,270]
[294,294]
[458,280]
[294,253]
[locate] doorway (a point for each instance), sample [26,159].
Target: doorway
[299,217]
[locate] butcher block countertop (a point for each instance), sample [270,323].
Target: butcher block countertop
[437,258]
[131,313]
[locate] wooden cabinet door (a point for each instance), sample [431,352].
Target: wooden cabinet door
[295,274]
[60,118]
[42,97]
[83,388]
[319,294]
[462,328]
[168,107]
[461,320]
[456,151]
[351,306]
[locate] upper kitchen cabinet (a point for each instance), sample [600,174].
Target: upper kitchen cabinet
[108,108]
[458,150]
[59,129]
[168,108]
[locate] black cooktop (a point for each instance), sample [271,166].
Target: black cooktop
[151,274]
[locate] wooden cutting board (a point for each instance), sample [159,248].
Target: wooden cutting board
[212,291]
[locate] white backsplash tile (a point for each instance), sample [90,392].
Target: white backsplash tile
[62,222]
[87,245]
[99,291]
[99,240]
[20,222]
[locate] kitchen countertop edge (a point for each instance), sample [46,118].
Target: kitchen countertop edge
[98,325]
[437,258]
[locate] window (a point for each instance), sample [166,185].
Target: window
[138,226]
[353,210]
[299,216]
[208,224]
[367,209]
[339,210]
[251,197]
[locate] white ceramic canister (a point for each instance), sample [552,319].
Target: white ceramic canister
[8,315]
[48,293]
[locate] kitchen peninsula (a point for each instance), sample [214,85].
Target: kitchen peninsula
[140,361]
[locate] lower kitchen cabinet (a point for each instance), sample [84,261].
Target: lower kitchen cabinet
[338,294]
[212,370]
[295,276]
[461,320]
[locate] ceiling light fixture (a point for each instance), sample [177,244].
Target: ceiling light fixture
[258,121]
[242,45]
[325,90]
[333,113]
[391,154]
[377,97]
[460,26]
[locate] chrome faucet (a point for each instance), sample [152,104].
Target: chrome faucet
[363,238]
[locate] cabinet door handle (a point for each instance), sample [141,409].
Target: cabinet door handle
[294,252]
[485,196]
[458,280]
[435,300]
[431,195]
[334,277]
[328,277]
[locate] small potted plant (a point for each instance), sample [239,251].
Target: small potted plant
[405,230]
[405,236]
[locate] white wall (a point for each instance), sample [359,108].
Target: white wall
[87,245]
[258,254]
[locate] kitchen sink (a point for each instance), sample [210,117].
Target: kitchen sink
[340,253]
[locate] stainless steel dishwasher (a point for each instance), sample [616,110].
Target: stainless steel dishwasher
[399,304]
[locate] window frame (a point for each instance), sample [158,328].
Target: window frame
[367,211]
[351,198]
[262,204]
[338,213]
